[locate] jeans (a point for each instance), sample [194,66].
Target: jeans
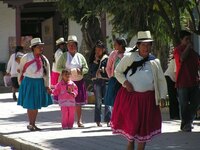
[99,91]
[188,104]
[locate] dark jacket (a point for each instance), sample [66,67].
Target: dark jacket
[100,65]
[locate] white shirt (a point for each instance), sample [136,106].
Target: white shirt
[73,63]
[12,65]
[57,55]
[171,70]
[142,79]
[159,81]
[32,72]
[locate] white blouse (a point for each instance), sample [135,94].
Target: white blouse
[32,72]
[73,63]
[57,55]
[142,79]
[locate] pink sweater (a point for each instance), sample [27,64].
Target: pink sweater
[66,93]
[110,67]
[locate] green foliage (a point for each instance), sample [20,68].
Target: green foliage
[165,18]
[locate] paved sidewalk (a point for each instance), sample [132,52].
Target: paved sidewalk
[13,122]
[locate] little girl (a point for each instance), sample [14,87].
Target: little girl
[66,91]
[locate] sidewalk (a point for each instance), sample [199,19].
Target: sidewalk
[13,122]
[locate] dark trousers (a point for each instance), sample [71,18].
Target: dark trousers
[189,102]
[173,101]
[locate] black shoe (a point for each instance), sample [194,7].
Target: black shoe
[14,97]
[187,128]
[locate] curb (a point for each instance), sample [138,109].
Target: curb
[19,144]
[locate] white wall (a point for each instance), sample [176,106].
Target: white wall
[75,29]
[7,29]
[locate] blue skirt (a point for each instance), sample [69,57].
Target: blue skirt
[113,87]
[33,94]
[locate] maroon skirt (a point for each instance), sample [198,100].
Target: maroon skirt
[136,115]
[81,98]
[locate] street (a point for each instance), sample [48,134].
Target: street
[13,121]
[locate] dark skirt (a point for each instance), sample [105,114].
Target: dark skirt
[136,115]
[33,94]
[81,98]
[15,83]
[113,88]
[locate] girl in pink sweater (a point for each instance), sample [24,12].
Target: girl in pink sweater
[66,91]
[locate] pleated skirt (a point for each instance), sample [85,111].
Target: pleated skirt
[136,115]
[111,92]
[33,94]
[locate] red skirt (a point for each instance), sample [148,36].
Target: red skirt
[136,116]
[54,78]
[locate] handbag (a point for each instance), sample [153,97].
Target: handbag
[7,81]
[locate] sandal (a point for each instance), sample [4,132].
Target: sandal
[99,124]
[80,125]
[108,124]
[37,129]
[30,127]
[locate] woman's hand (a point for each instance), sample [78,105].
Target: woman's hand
[128,86]
[79,71]
[98,74]
[162,103]
[49,91]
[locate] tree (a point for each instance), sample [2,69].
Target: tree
[164,18]
[87,14]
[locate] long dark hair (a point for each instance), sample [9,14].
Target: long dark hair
[19,49]
[99,44]
[121,41]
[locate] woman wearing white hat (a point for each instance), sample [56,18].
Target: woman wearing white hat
[136,112]
[34,76]
[76,62]
[60,44]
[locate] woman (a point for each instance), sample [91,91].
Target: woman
[113,59]
[34,77]
[77,64]
[136,112]
[11,70]
[60,44]
[100,79]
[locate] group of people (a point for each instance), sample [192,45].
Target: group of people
[132,85]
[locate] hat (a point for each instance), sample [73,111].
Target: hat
[72,38]
[60,41]
[144,36]
[36,41]
[19,55]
